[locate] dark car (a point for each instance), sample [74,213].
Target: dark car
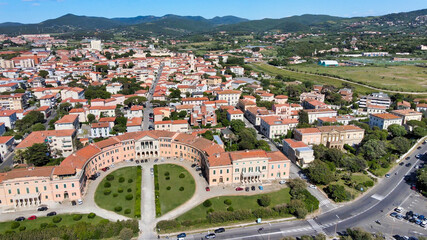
[42,209]
[410,213]
[193,165]
[239,189]
[219,230]
[51,214]
[182,235]
[419,147]
[247,189]
[18,219]
[253,188]
[408,164]
[401,163]
[137,161]
[210,236]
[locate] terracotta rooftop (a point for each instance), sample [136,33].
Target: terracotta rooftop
[40,136]
[385,116]
[67,119]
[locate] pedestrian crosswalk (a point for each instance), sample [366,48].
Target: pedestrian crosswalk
[315,226]
[324,202]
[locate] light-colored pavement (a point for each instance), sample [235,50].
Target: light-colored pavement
[148,206]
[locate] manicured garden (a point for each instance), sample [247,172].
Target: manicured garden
[220,211]
[173,186]
[120,191]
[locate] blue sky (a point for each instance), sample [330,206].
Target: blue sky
[33,11]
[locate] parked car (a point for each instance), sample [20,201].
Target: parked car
[401,163]
[239,189]
[193,165]
[51,214]
[261,187]
[137,161]
[44,208]
[419,147]
[19,219]
[408,164]
[398,209]
[313,186]
[80,202]
[407,158]
[182,235]
[247,189]
[219,230]
[281,182]
[387,175]
[210,236]
[198,169]
[32,217]
[253,188]
[207,189]
[393,214]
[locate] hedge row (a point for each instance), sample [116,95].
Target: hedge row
[157,191]
[79,230]
[137,210]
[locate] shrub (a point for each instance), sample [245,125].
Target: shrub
[22,228]
[168,188]
[127,211]
[368,183]
[207,203]
[167,224]
[181,189]
[121,179]
[15,225]
[91,215]
[129,189]
[107,192]
[130,180]
[107,184]
[110,177]
[120,190]
[264,201]
[182,175]
[43,225]
[129,197]
[167,178]
[51,225]
[230,209]
[126,234]
[227,202]
[166,174]
[56,219]
[264,213]
[115,194]
[118,209]
[210,210]
[77,217]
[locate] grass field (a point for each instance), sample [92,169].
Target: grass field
[67,220]
[237,202]
[403,78]
[272,70]
[126,182]
[180,189]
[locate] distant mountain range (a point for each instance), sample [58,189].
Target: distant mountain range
[184,25]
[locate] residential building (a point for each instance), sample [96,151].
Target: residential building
[114,88]
[408,115]
[231,96]
[100,129]
[384,120]
[380,98]
[330,136]
[14,101]
[172,125]
[312,96]
[134,124]
[8,117]
[70,121]
[6,146]
[234,114]
[60,142]
[103,111]
[135,111]
[276,126]
[314,114]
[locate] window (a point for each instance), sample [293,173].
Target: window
[228,170]
[65,185]
[213,180]
[45,188]
[214,172]
[56,186]
[18,191]
[237,170]
[45,197]
[264,167]
[272,166]
[10,191]
[72,184]
[37,189]
[220,171]
[28,190]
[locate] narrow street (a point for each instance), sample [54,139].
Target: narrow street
[148,106]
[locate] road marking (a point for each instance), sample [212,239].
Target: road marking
[315,226]
[324,202]
[378,197]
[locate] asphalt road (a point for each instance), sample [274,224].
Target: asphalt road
[148,106]
[375,205]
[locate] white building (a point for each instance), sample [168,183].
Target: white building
[276,126]
[231,96]
[298,152]
[172,125]
[134,124]
[96,45]
[114,88]
[384,120]
[101,129]
[234,115]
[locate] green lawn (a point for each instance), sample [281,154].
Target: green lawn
[272,70]
[168,176]
[126,182]
[404,77]
[237,202]
[67,220]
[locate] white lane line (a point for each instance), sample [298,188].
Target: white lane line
[378,197]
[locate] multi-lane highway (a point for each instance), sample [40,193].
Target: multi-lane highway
[374,205]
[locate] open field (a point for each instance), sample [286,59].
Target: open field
[67,220]
[402,78]
[112,193]
[272,70]
[237,202]
[175,186]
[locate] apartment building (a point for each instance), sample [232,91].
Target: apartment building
[384,120]
[172,125]
[100,129]
[6,146]
[234,114]
[134,124]
[60,140]
[105,111]
[298,152]
[231,96]
[135,111]
[14,101]
[312,96]
[380,98]
[72,92]
[276,126]
[408,115]
[254,114]
[314,114]
[8,117]
[330,136]
[194,101]
[70,121]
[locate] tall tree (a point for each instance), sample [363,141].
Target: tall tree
[38,154]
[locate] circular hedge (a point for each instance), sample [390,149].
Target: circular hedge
[118,209]
[227,202]
[167,178]
[181,189]
[120,190]
[56,219]
[130,180]
[168,188]
[129,189]
[22,228]
[77,217]
[107,192]
[182,175]
[127,211]
[129,197]
[167,174]
[91,215]
[210,210]
[207,203]
[121,179]
[110,177]
[15,225]
[107,184]
[115,194]
[230,209]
